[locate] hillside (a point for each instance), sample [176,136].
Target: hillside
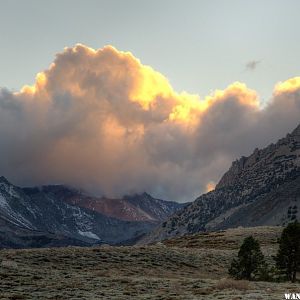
[262,189]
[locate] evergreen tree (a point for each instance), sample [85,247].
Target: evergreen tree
[288,256]
[250,263]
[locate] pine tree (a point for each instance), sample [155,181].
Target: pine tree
[250,261]
[288,256]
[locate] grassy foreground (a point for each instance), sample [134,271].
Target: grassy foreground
[191,267]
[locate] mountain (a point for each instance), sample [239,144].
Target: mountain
[46,216]
[154,209]
[138,207]
[15,236]
[262,189]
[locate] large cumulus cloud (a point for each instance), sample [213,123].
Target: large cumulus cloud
[102,121]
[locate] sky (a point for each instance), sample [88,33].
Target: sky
[121,97]
[198,45]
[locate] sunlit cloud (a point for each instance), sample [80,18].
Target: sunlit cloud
[103,121]
[289,86]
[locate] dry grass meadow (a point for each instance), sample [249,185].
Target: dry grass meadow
[192,267]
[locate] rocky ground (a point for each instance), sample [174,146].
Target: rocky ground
[192,267]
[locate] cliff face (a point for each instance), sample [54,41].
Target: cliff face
[262,189]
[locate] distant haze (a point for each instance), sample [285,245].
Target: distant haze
[103,121]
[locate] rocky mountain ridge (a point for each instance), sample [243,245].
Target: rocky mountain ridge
[137,207]
[44,216]
[262,189]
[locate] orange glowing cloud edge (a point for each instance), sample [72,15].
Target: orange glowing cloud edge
[210,186]
[289,86]
[150,85]
[40,81]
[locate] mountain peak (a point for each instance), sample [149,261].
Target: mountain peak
[144,195]
[3,180]
[284,152]
[138,196]
[296,131]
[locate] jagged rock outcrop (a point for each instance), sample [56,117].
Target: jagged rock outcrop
[262,189]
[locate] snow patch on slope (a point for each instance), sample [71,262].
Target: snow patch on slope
[10,214]
[3,202]
[89,234]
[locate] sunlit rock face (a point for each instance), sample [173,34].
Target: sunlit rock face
[261,189]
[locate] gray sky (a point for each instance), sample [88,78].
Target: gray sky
[198,45]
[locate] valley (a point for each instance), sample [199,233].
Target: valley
[190,267]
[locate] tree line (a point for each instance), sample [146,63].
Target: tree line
[250,263]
